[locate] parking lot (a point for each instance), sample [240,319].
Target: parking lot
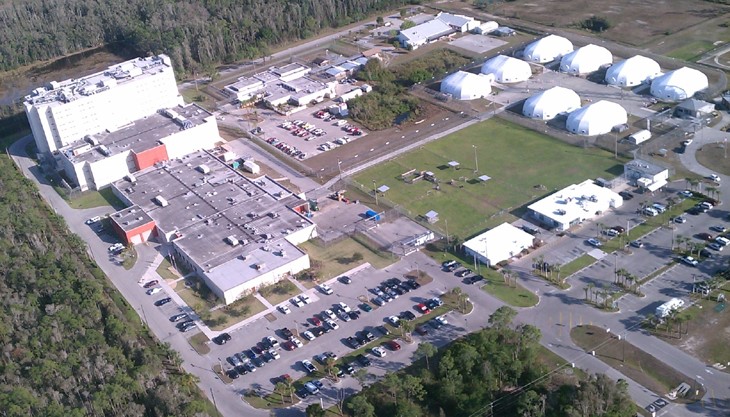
[478,43]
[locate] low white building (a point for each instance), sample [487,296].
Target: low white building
[463,85]
[550,103]
[443,24]
[547,49]
[499,244]
[573,205]
[486,27]
[645,174]
[506,69]
[596,118]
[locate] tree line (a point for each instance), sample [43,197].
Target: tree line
[493,372]
[71,345]
[196,34]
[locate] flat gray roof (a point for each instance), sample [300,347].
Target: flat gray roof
[645,166]
[138,136]
[207,208]
[130,218]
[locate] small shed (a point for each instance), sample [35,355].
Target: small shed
[694,109]
[503,31]
[431,217]
[454,164]
[372,215]
[484,178]
[383,188]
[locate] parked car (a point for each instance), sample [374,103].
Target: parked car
[308,366]
[392,345]
[363,360]
[394,321]
[332,325]
[366,307]
[353,342]
[610,232]
[407,315]
[686,193]
[311,388]
[705,236]
[296,301]
[619,229]
[284,309]
[594,242]
[463,273]
[286,333]
[344,307]
[626,195]
[378,301]
[329,314]
[718,228]
[326,289]
[715,246]
[308,335]
[688,260]
[422,330]
[379,352]
[298,343]
[637,243]
[162,301]
[221,339]
[422,308]
[178,317]
[714,177]
[679,219]
[345,279]
[150,284]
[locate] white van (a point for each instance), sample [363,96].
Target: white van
[650,211]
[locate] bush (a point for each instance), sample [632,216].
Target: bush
[596,24]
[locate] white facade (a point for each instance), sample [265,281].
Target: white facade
[507,69]
[424,33]
[184,142]
[550,103]
[646,174]
[499,244]
[486,27]
[548,49]
[65,112]
[574,204]
[679,84]
[596,118]
[464,85]
[633,71]
[586,59]
[458,22]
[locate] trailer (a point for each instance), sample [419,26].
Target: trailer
[639,137]
[667,308]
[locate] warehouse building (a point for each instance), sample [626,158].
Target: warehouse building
[586,59]
[463,85]
[444,24]
[596,118]
[573,205]
[237,234]
[547,49]
[678,85]
[65,112]
[97,160]
[550,103]
[506,69]
[633,71]
[502,243]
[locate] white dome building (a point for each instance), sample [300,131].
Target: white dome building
[550,103]
[633,71]
[679,84]
[506,69]
[463,85]
[547,49]
[596,118]
[586,59]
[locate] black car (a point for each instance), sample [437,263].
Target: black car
[163,301]
[366,307]
[257,350]
[249,353]
[383,330]
[397,290]
[431,304]
[184,324]
[395,281]
[453,267]
[361,339]
[258,362]
[241,369]
[222,339]
[318,331]
[267,357]
[705,253]
[407,315]
[345,279]
[404,287]
[286,333]
[363,360]
[178,317]
[626,195]
[435,324]
[347,368]
[413,284]
[302,393]
[422,330]
[232,373]
[353,342]
[354,314]
[463,273]
[475,279]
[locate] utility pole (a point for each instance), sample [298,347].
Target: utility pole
[476,161]
[375,191]
[339,167]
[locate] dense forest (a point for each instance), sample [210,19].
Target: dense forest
[494,372]
[196,34]
[70,344]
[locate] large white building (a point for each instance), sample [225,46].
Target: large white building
[547,49]
[499,244]
[463,85]
[550,103]
[441,25]
[633,71]
[679,84]
[100,159]
[573,205]
[596,118]
[506,69]
[237,234]
[586,59]
[67,111]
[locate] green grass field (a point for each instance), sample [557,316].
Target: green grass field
[517,159]
[691,50]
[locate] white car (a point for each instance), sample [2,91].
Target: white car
[344,307]
[305,299]
[442,320]
[298,343]
[115,247]
[378,351]
[329,314]
[284,309]
[722,240]
[343,316]
[308,335]
[93,220]
[274,353]
[689,260]
[332,325]
[715,177]
[395,321]
[153,291]
[687,142]
[297,302]
[686,193]
[326,289]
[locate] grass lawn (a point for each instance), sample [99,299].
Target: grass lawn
[516,158]
[692,50]
[269,400]
[129,256]
[242,309]
[633,362]
[165,271]
[338,258]
[576,265]
[91,199]
[713,156]
[279,292]
[199,342]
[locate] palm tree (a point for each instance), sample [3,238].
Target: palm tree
[630,279]
[586,289]
[711,191]
[281,389]
[590,288]
[329,368]
[680,319]
[406,328]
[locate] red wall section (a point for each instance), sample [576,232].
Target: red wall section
[150,157]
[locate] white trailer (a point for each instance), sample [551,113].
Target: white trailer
[666,309]
[640,137]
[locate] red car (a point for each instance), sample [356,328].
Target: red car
[423,309]
[393,345]
[316,321]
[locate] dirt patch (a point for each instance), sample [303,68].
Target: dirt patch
[270,317]
[632,22]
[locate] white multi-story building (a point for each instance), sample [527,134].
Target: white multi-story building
[67,111]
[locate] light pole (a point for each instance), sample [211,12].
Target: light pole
[339,167]
[476,161]
[375,191]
